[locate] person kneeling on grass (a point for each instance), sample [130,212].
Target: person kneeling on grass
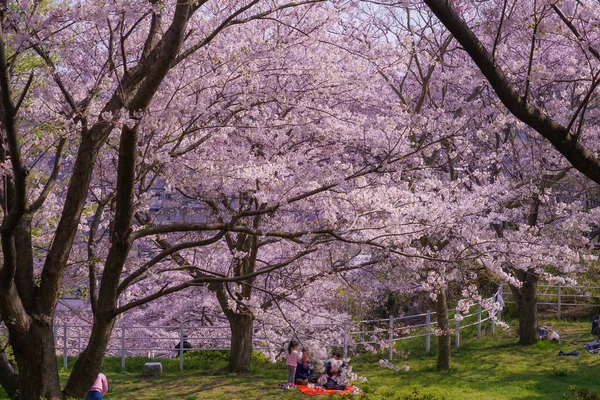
[304,370]
[99,388]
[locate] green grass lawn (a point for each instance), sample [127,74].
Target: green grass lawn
[494,367]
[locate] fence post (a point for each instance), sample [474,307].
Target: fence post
[181,348]
[493,324]
[346,330]
[457,333]
[78,340]
[428,332]
[391,338]
[478,321]
[65,345]
[123,350]
[559,300]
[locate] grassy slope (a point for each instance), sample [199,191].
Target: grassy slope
[494,367]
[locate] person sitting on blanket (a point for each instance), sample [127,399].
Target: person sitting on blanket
[334,370]
[304,370]
[334,366]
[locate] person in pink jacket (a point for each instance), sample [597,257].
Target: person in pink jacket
[99,388]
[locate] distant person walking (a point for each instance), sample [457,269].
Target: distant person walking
[99,388]
[183,346]
[293,356]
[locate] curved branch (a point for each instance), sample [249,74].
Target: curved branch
[51,180]
[204,280]
[558,135]
[24,93]
[573,29]
[7,114]
[185,54]
[167,252]
[91,253]
[198,227]
[229,21]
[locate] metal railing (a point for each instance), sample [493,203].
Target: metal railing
[128,341]
[397,329]
[562,296]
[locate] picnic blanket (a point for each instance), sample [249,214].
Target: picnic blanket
[320,390]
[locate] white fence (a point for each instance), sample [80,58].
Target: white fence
[396,329]
[563,296]
[161,341]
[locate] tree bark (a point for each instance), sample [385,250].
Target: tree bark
[8,377]
[36,358]
[526,299]
[89,362]
[441,309]
[241,342]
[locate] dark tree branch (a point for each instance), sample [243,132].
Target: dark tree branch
[499,31]
[573,29]
[91,250]
[168,251]
[24,93]
[208,279]
[558,135]
[230,20]
[51,180]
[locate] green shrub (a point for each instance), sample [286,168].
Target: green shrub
[259,358]
[207,355]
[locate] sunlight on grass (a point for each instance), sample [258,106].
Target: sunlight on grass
[495,367]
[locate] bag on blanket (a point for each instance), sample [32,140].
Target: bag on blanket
[333,385]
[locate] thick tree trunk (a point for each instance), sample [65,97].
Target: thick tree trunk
[241,342]
[90,360]
[526,299]
[36,358]
[9,379]
[441,309]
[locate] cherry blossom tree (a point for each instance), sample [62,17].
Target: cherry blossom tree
[83,79]
[259,153]
[518,48]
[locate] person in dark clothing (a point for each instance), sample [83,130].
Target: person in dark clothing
[183,344]
[304,370]
[596,326]
[333,369]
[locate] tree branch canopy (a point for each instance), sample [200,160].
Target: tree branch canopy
[557,134]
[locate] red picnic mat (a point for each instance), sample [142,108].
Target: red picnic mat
[320,390]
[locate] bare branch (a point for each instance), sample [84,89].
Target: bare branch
[24,93]
[230,20]
[573,29]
